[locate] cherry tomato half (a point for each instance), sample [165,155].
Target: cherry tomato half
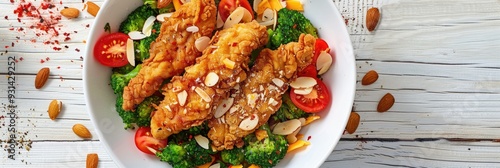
[111,50]
[313,102]
[226,7]
[144,140]
[309,71]
[319,46]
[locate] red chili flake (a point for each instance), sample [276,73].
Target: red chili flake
[21,58]
[47,42]
[77,50]
[47,59]
[190,136]
[11,28]
[308,138]
[6,46]
[56,48]
[16,60]
[58,67]
[56,41]
[42,61]
[66,34]
[81,57]
[88,25]
[153,31]
[67,39]
[65,46]
[294,26]
[75,32]
[11,1]
[12,44]
[234,44]
[71,60]
[6,17]
[20,29]
[18,20]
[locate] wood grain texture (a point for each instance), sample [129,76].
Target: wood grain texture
[440,60]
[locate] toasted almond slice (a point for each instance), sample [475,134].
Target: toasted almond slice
[272,102]
[291,138]
[268,15]
[130,52]
[249,123]
[287,127]
[275,19]
[148,26]
[252,99]
[220,23]
[136,35]
[255,5]
[303,91]
[228,63]
[223,107]
[247,16]
[297,145]
[278,82]
[151,149]
[161,17]
[216,165]
[203,94]
[182,97]
[235,17]
[302,121]
[192,29]
[211,79]
[202,43]
[303,82]
[310,119]
[267,23]
[324,62]
[202,141]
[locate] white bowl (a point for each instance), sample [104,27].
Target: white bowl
[325,133]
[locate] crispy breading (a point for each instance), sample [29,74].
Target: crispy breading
[259,96]
[172,51]
[228,57]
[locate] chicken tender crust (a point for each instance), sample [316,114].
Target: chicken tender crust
[172,51]
[227,57]
[259,96]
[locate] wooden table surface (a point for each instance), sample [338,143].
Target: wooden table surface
[440,60]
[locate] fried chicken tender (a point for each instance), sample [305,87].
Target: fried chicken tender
[259,96]
[172,51]
[190,99]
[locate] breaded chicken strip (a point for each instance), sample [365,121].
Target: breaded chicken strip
[190,99]
[260,95]
[172,51]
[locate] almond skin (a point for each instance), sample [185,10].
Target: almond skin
[352,123]
[82,131]
[54,109]
[372,18]
[70,13]
[369,78]
[41,77]
[385,103]
[92,160]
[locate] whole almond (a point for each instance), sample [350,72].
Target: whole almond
[385,103]
[82,131]
[372,18]
[92,160]
[352,123]
[54,109]
[41,77]
[369,78]
[70,13]
[92,8]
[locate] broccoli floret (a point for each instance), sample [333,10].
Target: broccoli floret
[135,20]
[141,116]
[151,3]
[183,150]
[290,25]
[142,46]
[234,156]
[124,69]
[267,152]
[169,8]
[288,110]
[119,80]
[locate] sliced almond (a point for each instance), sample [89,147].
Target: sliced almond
[276,19]
[287,127]
[235,17]
[303,91]
[182,97]
[192,29]
[202,43]
[130,52]
[82,131]
[220,23]
[161,17]
[324,62]
[249,123]
[247,16]
[202,141]
[223,107]
[291,138]
[54,109]
[41,77]
[268,15]
[278,82]
[302,121]
[310,119]
[252,99]
[303,82]
[228,63]
[92,160]
[136,35]
[255,5]
[148,26]
[203,94]
[267,23]
[211,79]
[216,165]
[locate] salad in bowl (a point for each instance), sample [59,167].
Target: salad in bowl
[209,83]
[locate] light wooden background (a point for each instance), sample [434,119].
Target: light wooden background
[440,60]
